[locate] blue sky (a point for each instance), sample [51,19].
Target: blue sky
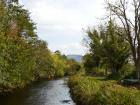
[60,22]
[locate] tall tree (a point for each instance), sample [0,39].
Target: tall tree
[10,1]
[107,48]
[131,23]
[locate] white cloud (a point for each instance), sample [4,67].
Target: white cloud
[71,47]
[61,21]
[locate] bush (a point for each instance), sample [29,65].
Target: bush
[98,71]
[126,70]
[73,67]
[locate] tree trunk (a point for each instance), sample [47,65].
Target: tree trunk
[106,72]
[138,68]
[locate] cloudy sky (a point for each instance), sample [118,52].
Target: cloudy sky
[60,22]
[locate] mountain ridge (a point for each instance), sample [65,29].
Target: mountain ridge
[76,57]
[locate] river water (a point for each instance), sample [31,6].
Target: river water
[55,92]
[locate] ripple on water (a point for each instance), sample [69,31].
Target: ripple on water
[55,92]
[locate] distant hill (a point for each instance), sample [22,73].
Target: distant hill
[78,58]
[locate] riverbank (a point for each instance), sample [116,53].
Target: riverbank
[97,91]
[12,90]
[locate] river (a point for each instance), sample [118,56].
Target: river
[54,92]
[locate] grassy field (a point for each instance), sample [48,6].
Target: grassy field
[97,91]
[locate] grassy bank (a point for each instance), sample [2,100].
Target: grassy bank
[97,91]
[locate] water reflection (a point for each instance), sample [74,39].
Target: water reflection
[53,92]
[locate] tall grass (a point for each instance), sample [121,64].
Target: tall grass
[92,91]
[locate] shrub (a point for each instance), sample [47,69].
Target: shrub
[126,70]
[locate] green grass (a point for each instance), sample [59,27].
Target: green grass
[96,91]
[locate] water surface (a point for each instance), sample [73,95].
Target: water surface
[55,92]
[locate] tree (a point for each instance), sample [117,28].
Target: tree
[115,49]
[73,67]
[23,57]
[121,9]
[10,1]
[91,61]
[60,64]
[107,48]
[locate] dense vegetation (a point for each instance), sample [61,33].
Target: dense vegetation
[113,59]
[23,56]
[109,52]
[97,91]
[114,53]
[114,47]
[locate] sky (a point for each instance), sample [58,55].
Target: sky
[62,22]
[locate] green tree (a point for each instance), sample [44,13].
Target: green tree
[23,57]
[107,48]
[73,67]
[59,64]
[121,9]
